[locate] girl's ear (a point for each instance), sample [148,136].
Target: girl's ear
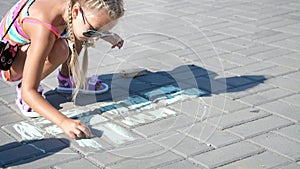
[76,10]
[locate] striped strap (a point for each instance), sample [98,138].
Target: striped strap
[46,25]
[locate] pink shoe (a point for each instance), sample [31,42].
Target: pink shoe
[24,107]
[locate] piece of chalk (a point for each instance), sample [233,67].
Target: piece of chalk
[131,73]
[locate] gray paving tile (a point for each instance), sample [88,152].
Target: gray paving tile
[209,135]
[260,126]
[292,100]
[157,159]
[7,142]
[279,144]
[137,150]
[237,118]
[196,109]
[13,155]
[266,96]
[282,109]
[48,160]
[81,163]
[289,84]
[292,132]
[228,154]
[180,165]
[181,144]
[164,125]
[260,161]
[254,43]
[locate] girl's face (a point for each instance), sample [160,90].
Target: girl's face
[90,20]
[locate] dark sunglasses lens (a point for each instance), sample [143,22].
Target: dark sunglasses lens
[90,33]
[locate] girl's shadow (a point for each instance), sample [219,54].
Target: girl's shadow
[184,77]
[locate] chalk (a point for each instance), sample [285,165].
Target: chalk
[132,73]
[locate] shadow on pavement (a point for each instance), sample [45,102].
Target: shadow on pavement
[183,77]
[19,153]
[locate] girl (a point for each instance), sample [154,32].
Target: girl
[43,37]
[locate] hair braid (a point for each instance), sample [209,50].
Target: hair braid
[78,75]
[115,10]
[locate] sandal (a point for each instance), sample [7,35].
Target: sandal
[95,85]
[24,107]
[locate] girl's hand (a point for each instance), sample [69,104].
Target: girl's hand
[75,129]
[115,40]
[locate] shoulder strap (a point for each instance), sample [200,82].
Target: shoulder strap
[46,25]
[23,5]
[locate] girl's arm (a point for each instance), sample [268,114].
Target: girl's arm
[42,41]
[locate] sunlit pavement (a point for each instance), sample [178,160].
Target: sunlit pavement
[219,88]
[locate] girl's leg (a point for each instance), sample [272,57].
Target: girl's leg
[57,56]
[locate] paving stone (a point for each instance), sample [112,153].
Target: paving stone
[138,150]
[290,166]
[265,96]
[282,109]
[48,160]
[165,125]
[181,144]
[223,103]
[292,132]
[115,134]
[237,59]
[9,118]
[260,126]
[260,35]
[217,63]
[260,161]
[209,135]
[5,110]
[279,144]
[287,44]
[7,142]
[180,165]
[289,84]
[147,117]
[285,61]
[275,71]
[252,51]
[228,154]
[157,159]
[81,163]
[293,75]
[227,47]
[249,69]
[292,100]
[239,92]
[196,109]
[13,155]
[237,118]
[275,37]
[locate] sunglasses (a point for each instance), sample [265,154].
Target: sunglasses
[96,34]
[93,33]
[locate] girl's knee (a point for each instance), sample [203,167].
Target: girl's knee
[60,51]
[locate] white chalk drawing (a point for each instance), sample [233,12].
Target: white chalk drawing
[28,131]
[53,130]
[134,111]
[148,117]
[115,133]
[90,143]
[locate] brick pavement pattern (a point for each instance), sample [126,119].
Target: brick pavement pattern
[221,91]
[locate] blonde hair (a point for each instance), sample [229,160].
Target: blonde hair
[115,10]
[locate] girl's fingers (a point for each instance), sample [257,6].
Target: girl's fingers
[85,130]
